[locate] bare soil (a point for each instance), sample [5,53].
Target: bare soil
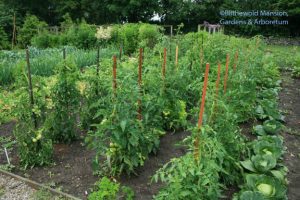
[72,171]
[290,103]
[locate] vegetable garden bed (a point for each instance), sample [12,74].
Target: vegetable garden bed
[132,111]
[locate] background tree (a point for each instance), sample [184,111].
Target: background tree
[29,29]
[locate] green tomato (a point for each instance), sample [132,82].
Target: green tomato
[39,136]
[34,140]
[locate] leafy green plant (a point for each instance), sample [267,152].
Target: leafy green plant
[296,68]
[34,145]
[260,163]
[62,123]
[267,186]
[120,136]
[4,44]
[29,29]
[149,35]
[185,178]
[109,190]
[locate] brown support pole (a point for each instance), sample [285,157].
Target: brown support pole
[30,89]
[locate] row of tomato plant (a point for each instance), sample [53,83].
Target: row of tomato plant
[166,102]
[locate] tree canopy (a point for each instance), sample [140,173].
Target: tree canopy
[174,12]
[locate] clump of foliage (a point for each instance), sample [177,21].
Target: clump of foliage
[131,35]
[62,123]
[188,178]
[107,189]
[4,44]
[34,145]
[29,29]
[296,67]
[120,136]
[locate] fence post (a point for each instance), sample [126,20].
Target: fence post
[30,88]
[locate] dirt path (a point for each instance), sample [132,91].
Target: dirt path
[12,189]
[290,103]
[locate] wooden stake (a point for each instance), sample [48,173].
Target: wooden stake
[218,80]
[226,73]
[214,108]
[140,83]
[164,64]
[115,74]
[14,32]
[98,60]
[97,70]
[200,120]
[64,53]
[121,50]
[202,52]
[176,57]
[30,89]
[235,59]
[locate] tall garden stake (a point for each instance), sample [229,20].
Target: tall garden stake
[64,53]
[200,120]
[202,52]
[215,106]
[164,64]
[114,74]
[235,60]
[176,57]
[121,51]
[140,83]
[30,89]
[226,73]
[97,69]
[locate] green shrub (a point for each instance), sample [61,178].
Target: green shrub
[81,36]
[133,35]
[32,25]
[149,35]
[45,40]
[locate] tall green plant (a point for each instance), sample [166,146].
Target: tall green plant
[62,124]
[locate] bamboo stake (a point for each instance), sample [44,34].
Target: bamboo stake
[200,120]
[121,51]
[235,60]
[218,80]
[30,88]
[114,74]
[226,73]
[214,109]
[164,64]
[64,53]
[97,70]
[14,32]
[98,60]
[176,57]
